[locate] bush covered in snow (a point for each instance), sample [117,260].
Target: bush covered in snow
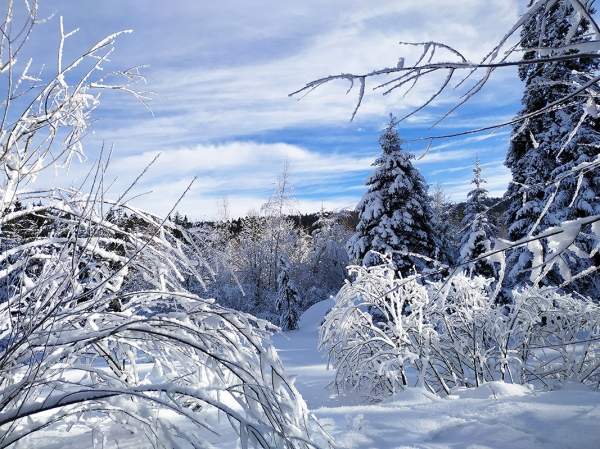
[385,332]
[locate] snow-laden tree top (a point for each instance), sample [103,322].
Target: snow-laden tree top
[394,215]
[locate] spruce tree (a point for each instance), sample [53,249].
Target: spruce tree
[477,230]
[545,147]
[443,234]
[395,216]
[287,301]
[328,257]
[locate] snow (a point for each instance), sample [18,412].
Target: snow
[495,415]
[313,316]
[80,435]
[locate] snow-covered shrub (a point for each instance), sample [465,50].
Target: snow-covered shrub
[385,331]
[461,311]
[558,338]
[376,330]
[543,337]
[68,352]
[211,251]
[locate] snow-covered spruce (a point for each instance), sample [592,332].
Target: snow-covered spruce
[287,302]
[477,230]
[327,258]
[545,190]
[444,233]
[395,216]
[453,334]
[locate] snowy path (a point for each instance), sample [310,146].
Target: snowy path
[298,351]
[493,416]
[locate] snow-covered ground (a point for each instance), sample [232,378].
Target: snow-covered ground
[495,415]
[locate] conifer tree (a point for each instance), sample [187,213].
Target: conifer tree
[477,230]
[443,234]
[395,216]
[287,301]
[545,147]
[328,258]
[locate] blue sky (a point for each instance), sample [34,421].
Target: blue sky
[221,72]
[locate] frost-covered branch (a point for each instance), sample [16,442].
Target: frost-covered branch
[46,115]
[453,334]
[439,57]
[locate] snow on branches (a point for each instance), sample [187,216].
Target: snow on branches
[385,332]
[45,115]
[545,189]
[554,151]
[440,57]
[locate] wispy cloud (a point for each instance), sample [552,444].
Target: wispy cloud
[222,72]
[497,178]
[245,172]
[224,99]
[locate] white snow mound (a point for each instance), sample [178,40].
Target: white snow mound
[312,318]
[492,390]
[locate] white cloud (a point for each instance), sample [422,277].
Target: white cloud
[496,175]
[246,155]
[256,157]
[224,73]
[203,102]
[199,206]
[245,172]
